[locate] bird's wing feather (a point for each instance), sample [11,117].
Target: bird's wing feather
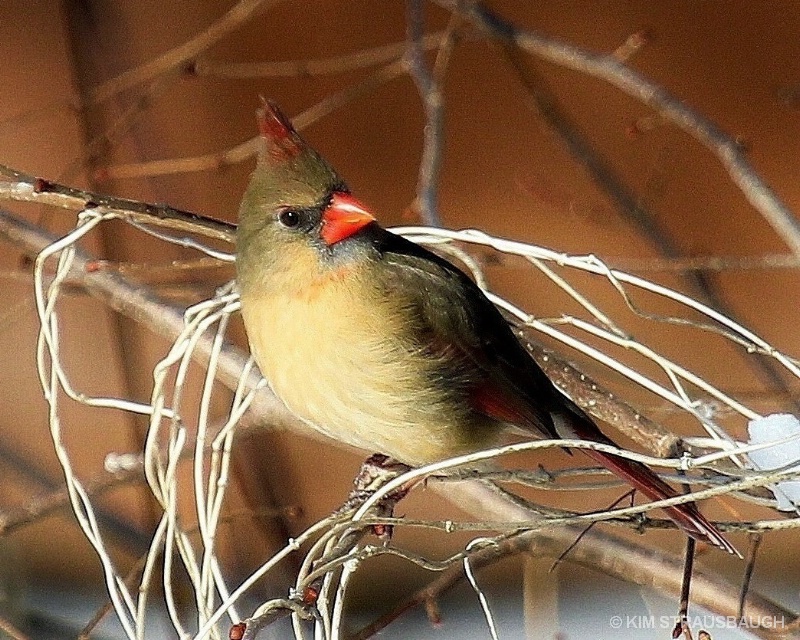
[506,384]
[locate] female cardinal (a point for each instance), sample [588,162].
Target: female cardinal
[381,344]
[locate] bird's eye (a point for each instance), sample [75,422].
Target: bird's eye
[289,218]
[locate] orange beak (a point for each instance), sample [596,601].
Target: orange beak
[343,217]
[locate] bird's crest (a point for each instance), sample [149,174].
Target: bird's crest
[281,141]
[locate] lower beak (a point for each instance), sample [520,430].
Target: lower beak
[343,217]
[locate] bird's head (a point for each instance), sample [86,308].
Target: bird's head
[296,207]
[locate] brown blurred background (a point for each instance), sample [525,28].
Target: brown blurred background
[505,170]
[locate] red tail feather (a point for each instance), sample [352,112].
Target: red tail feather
[687,516]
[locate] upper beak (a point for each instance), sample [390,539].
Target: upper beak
[343,217]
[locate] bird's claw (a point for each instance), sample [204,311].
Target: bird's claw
[375,472]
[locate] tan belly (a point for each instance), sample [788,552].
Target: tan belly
[347,372]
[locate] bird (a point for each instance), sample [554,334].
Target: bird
[381,344]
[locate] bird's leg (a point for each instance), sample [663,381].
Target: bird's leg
[375,472]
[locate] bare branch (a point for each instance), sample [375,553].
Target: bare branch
[708,263]
[56,500]
[120,128]
[682,625]
[752,554]
[604,405]
[249,148]
[184,53]
[26,188]
[608,68]
[430,91]
[325,66]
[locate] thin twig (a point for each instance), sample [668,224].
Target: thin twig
[22,187]
[708,263]
[167,271]
[750,560]
[107,607]
[682,625]
[249,148]
[629,494]
[178,57]
[325,66]
[429,88]
[34,510]
[102,143]
[602,403]
[608,68]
